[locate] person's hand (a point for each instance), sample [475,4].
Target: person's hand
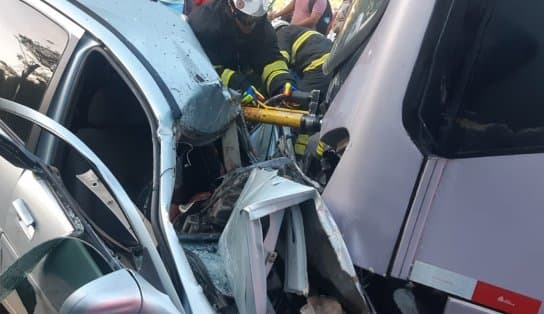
[250,95]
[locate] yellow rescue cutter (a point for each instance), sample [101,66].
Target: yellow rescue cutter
[304,120]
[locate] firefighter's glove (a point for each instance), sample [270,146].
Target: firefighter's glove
[250,95]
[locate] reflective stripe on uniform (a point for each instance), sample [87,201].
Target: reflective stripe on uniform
[317,62]
[301,40]
[320,149]
[226,75]
[285,54]
[300,144]
[302,138]
[272,70]
[300,149]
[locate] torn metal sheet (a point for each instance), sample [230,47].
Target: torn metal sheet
[244,254]
[328,254]
[266,192]
[201,105]
[241,244]
[243,257]
[296,267]
[271,239]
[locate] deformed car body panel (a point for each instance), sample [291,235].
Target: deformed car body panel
[191,85]
[242,244]
[163,112]
[243,248]
[296,273]
[146,66]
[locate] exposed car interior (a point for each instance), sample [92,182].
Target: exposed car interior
[106,115]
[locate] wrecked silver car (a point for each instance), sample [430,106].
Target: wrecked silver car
[124,188]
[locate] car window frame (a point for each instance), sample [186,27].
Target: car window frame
[118,193]
[60,108]
[181,281]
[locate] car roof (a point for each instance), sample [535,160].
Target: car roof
[167,46]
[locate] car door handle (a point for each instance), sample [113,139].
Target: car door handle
[24,217]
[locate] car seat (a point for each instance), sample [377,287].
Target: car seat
[118,132]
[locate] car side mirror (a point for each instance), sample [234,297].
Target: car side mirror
[121,291]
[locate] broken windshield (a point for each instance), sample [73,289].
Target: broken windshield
[363,16]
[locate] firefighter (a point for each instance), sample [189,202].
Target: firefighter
[241,44]
[306,51]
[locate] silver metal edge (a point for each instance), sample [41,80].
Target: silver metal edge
[130,210]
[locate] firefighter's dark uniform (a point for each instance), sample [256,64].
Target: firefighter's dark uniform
[234,53]
[306,50]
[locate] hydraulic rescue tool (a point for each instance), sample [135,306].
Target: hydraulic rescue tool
[270,112]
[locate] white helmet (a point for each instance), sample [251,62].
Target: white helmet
[279,23]
[254,8]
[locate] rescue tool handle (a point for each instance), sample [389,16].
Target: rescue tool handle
[304,120]
[294,96]
[300,97]
[295,119]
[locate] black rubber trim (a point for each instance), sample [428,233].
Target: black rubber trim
[165,90]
